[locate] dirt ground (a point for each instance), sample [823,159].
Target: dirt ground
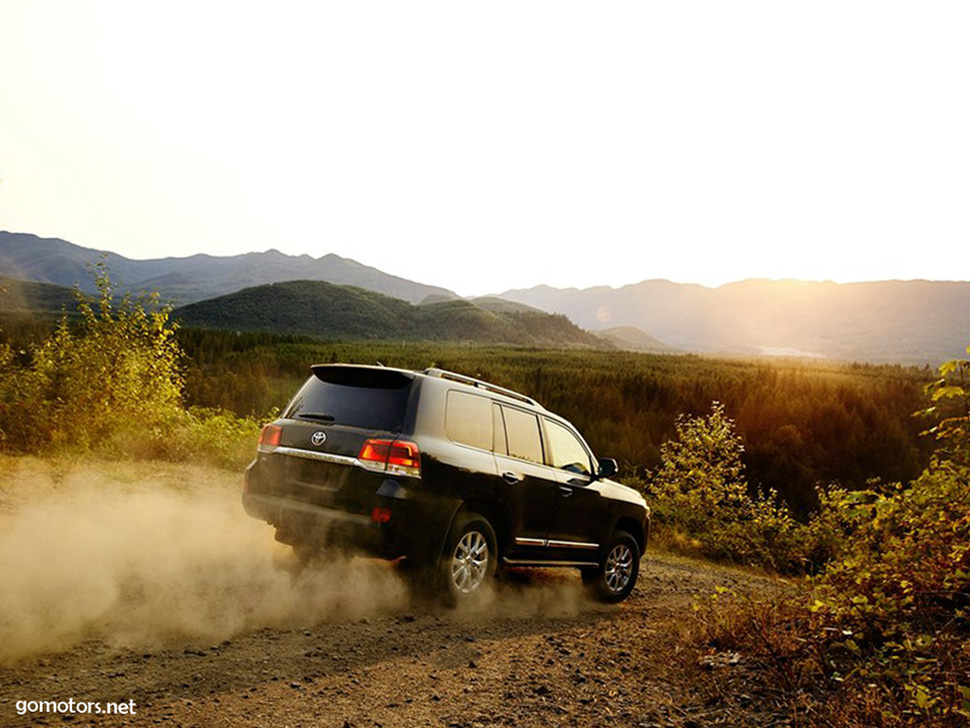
[537,653]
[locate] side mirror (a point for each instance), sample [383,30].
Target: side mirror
[607,468]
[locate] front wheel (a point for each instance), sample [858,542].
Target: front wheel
[614,579]
[469,559]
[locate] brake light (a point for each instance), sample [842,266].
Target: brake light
[269,438]
[399,457]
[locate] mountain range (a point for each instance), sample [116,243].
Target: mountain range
[888,321]
[913,322]
[198,277]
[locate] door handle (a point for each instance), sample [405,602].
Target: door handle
[511,478]
[566,492]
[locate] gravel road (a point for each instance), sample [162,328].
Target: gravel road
[538,654]
[146,582]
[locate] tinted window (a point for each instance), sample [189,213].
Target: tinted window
[367,407]
[468,420]
[565,449]
[523,432]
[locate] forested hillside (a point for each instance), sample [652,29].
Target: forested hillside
[28,297]
[344,312]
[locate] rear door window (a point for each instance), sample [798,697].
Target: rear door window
[525,442]
[357,398]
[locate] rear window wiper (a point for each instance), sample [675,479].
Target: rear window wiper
[319,416]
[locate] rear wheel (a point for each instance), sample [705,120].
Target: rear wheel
[469,559]
[614,579]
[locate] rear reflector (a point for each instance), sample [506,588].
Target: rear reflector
[269,438]
[380,515]
[399,457]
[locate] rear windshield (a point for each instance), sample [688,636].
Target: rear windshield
[361,398]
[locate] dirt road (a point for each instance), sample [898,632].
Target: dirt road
[555,660]
[146,583]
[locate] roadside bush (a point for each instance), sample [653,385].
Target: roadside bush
[898,600]
[112,383]
[700,499]
[884,637]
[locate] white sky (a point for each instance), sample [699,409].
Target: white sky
[485,146]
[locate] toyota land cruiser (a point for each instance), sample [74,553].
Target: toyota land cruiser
[459,476]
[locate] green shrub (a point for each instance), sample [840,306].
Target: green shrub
[113,383]
[882,638]
[893,607]
[700,492]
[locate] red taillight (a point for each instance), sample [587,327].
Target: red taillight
[394,456]
[374,451]
[270,436]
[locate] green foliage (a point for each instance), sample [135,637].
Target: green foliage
[950,396]
[112,383]
[894,607]
[700,490]
[884,639]
[121,367]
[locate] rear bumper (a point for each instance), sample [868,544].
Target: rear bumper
[315,526]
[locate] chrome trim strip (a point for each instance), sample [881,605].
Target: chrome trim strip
[572,545]
[324,457]
[537,562]
[555,544]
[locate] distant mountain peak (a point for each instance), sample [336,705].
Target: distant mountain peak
[198,277]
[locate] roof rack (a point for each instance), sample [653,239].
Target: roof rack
[488,387]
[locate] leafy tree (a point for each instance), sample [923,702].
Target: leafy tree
[700,491]
[950,396]
[119,367]
[112,381]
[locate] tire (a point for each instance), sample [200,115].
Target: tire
[614,579]
[469,560]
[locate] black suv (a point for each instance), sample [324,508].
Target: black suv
[457,475]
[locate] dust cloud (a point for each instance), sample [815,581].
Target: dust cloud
[153,555]
[135,562]
[531,593]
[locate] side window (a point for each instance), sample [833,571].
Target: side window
[565,450]
[468,420]
[523,431]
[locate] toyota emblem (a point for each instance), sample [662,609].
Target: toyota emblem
[318,438]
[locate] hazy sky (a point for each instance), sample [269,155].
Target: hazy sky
[485,146]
